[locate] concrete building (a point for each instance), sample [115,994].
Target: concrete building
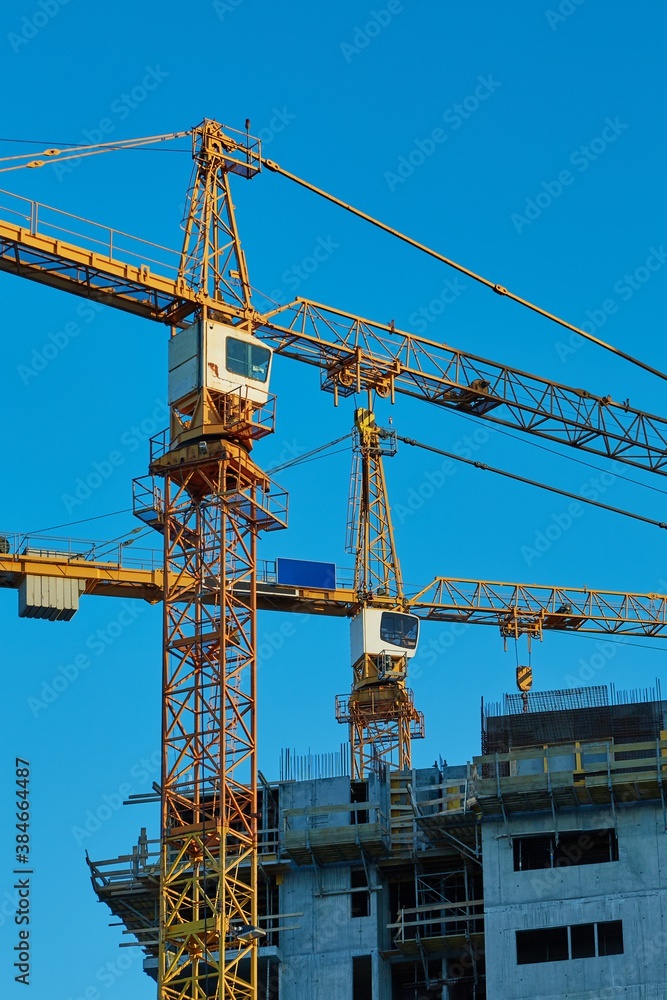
[538,870]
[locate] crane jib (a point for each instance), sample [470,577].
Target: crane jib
[352,352]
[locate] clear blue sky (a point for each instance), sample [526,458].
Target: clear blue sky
[445,120]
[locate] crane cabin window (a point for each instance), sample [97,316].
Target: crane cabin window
[400,630]
[248,360]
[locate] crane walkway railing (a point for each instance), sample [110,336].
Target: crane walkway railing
[39,219]
[438,920]
[113,553]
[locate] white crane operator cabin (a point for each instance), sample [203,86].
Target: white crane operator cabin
[210,355]
[375,632]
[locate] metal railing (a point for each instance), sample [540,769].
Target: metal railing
[333,816]
[44,220]
[450,796]
[148,499]
[116,553]
[145,859]
[594,762]
[267,572]
[416,923]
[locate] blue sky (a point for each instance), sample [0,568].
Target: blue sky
[527,145]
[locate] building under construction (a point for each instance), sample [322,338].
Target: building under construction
[534,871]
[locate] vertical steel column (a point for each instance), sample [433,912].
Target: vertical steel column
[215,502]
[381,715]
[213,511]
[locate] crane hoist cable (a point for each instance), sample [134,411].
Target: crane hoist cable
[494,286]
[531,482]
[307,456]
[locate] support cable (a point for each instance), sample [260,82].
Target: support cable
[494,286]
[78,152]
[570,458]
[82,520]
[531,482]
[308,455]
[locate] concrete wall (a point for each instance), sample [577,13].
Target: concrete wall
[317,957]
[633,889]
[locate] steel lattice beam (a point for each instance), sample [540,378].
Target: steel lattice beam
[353,353]
[209,789]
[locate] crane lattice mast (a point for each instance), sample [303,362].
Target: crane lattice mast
[380,710]
[211,501]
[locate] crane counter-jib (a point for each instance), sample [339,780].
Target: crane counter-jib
[445,599]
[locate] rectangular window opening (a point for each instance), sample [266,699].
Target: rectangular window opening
[549,944]
[574,847]
[555,944]
[358,793]
[533,852]
[249,360]
[362,977]
[399,629]
[582,941]
[610,937]
[360,902]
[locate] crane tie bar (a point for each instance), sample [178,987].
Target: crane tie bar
[531,482]
[499,289]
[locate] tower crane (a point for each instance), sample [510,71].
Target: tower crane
[514,608]
[379,711]
[210,500]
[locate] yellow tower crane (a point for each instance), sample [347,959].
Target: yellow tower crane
[380,709]
[210,500]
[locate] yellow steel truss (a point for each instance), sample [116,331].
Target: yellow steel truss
[216,504]
[380,714]
[529,607]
